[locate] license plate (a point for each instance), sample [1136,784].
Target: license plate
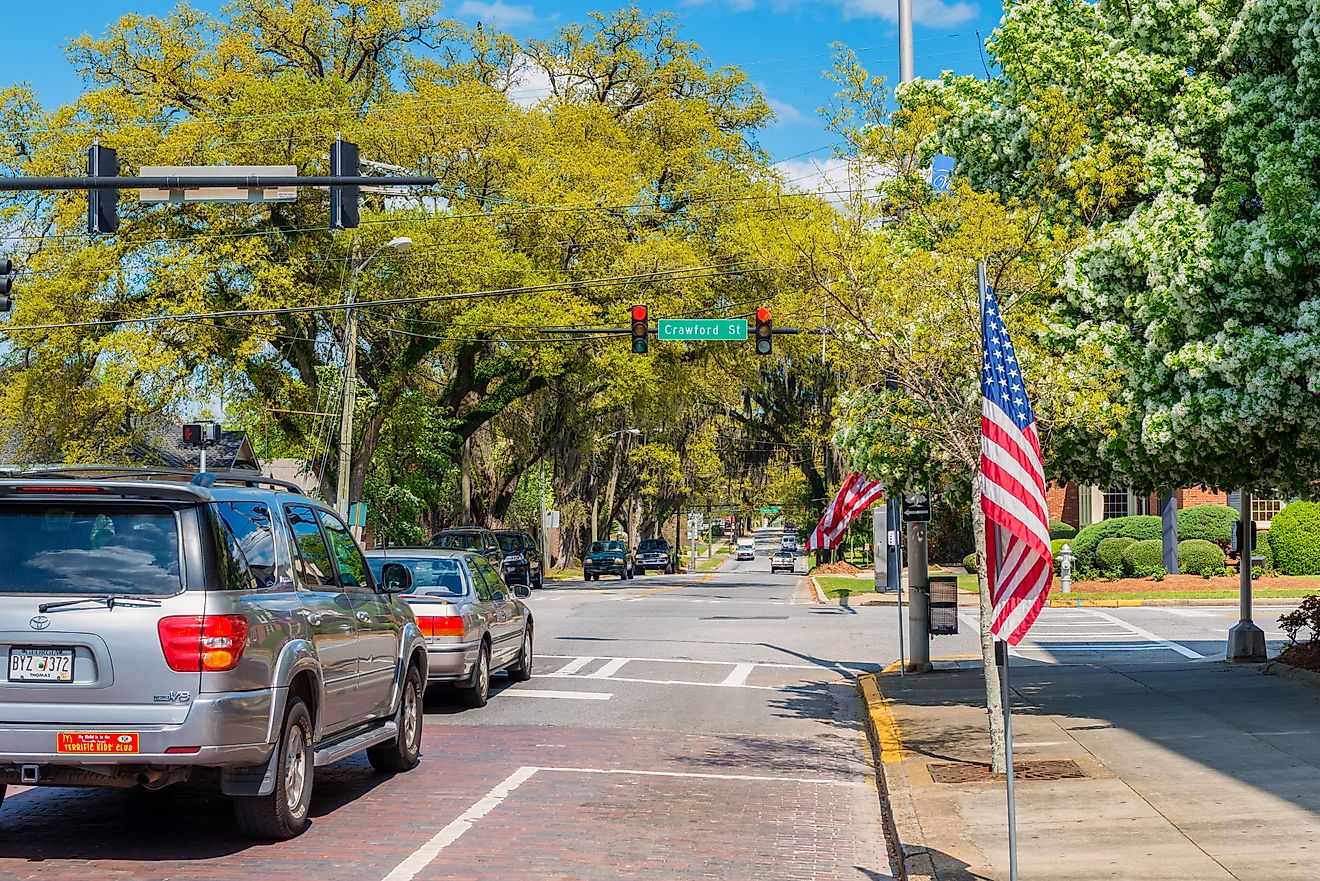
[117,742]
[40,665]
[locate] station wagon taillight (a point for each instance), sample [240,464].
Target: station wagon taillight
[203,643]
[440,625]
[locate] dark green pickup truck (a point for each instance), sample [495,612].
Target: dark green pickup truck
[608,558]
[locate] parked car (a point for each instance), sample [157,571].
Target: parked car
[477,539]
[654,553]
[782,560]
[608,558]
[522,558]
[474,624]
[163,623]
[745,549]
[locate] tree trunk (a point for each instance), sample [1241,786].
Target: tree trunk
[994,701]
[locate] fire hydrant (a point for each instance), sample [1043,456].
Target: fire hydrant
[1065,568]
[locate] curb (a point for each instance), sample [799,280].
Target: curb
[1307,677]
[816,592]
[886,747]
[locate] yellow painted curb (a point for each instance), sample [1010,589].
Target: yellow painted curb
[880,719]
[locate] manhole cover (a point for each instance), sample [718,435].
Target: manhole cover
[975,772]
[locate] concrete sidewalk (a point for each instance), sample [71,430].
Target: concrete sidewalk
[1202,771]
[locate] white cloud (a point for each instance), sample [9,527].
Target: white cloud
[496,12]
[785,113]
[532,84]
[928,13]
[836,180]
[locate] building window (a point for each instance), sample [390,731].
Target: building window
[1140,504]
[1263,510]
[1116,503]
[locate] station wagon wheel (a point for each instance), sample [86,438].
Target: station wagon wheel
[283,813]
[402,753]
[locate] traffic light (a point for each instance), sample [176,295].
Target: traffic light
[641,328]
[6,284]
[764,328]
[102,205]
[201,434]
[344,200]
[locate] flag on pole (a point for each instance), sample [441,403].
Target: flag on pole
[1012,486]
[854,496]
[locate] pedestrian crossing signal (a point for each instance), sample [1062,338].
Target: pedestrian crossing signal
[641,329]
[764,328]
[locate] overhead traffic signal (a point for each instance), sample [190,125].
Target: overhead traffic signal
[102,205]
[344,162]
[6,284]
[641,329]
[764,328]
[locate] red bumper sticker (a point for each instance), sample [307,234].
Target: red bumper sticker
[116,742]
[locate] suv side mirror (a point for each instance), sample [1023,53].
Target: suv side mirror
[395,578]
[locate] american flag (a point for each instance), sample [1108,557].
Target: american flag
[1012,486]
[854,496]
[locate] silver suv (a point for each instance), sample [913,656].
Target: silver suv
[153,624]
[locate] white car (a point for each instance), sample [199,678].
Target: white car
[745,549]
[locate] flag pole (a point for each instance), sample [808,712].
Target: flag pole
[1002,655]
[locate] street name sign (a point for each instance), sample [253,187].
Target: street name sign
[701,329]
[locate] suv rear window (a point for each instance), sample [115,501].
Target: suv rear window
[510,542]
[89,548]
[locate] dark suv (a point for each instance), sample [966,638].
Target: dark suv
[157,623]
[476,539]
[654,553]
[522,558]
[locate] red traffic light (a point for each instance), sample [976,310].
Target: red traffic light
[639,313]
[762,313]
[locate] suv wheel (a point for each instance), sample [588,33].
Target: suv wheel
[283,814]
[401,754]
[521,671]
[477,692]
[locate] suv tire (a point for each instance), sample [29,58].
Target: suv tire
[403,752]
[476,694]
[283,814]
[521,671]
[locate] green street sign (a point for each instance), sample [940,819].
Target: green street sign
[769,510]
[357,514]
[701,329]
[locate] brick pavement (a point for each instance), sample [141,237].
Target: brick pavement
[557,825]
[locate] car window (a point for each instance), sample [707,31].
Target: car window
[459,541]
[89,548]
[313,564]
[350,562]
[250,526]
[494,585]
[510,542]
[232,571]
[654,544]
[601,547]
[432,576]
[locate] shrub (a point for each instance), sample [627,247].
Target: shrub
[1109,554]
[1295,539]
[1209,522]
[1144,559]
[1200,557]
[1138,528]
[1062,530]
[969,562]
[1305,617]
[1265,550]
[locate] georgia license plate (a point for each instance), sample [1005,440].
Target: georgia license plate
[96,742]
[40,665]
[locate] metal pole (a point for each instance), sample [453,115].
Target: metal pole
[1006,697]
[349,393]
[918,598]
[1246,641]
[905,66]
[201,467]
[895,572]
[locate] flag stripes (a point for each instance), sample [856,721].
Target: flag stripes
[855,495]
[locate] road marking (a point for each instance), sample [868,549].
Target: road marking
[605,672]
[739,674]
[426,854]
[699,775]
[1146,634]
[572,666]
[830,666]
[668,682]
[566,695]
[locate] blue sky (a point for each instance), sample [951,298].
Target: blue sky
[783,44]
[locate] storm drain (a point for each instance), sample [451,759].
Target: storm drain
[975,772]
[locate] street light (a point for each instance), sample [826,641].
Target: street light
[398,243]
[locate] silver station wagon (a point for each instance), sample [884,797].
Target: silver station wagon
[474,623]
[155,623]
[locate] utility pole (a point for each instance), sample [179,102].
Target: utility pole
[905,65]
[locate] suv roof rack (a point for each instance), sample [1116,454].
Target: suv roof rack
[120,472]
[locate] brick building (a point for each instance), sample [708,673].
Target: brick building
[1084,504]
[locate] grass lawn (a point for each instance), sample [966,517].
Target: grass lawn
[844,585]
[712,563]
[563,574]
[967,583]
[1057,595]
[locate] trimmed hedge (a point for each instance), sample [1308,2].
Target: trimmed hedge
[1209,522]
[1109,553]
[1139,528]
[1196,556]
[1265,549]
[1295,539]
[1145,558]
[969,562]
[1062,530]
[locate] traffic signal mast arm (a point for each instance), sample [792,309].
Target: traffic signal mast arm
[183,182]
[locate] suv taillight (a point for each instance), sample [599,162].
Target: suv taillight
[203,643]
[440,625]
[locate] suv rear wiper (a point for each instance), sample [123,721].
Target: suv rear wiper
[109,599]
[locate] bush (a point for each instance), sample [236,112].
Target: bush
[1265,550]
[1109,554]
[1305,617]
[1062,530]
[1083,546]
[1144,559]
[1200,557]
[969,562]
[1295,539]
[1209,522]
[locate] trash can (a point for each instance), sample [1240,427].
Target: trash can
[943,605]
